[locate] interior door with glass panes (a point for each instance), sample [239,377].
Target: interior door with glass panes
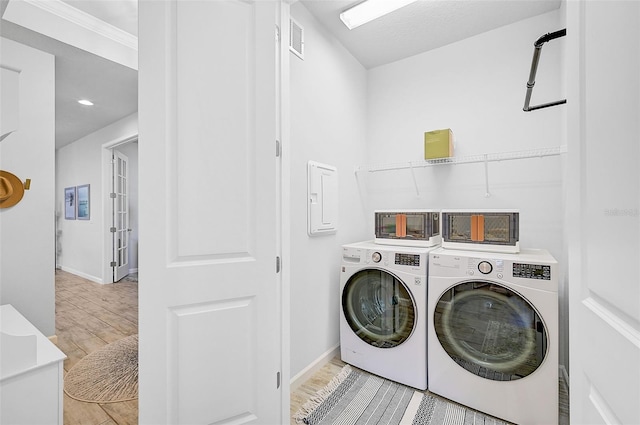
[120,215]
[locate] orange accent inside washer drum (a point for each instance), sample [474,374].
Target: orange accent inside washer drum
[401,225]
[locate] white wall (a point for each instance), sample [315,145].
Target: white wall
[27,229]
[476,87]
[80,242]
[328,116]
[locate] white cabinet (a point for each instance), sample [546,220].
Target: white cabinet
[31,373]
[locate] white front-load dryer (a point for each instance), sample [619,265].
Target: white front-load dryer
[493,332]
[383,321]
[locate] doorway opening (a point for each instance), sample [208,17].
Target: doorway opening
[120,209]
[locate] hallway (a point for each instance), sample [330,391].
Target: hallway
[89,316]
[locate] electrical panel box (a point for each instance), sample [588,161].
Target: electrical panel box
[322,199]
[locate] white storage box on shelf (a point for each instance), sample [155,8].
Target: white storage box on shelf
[481,230]
[31,372]
[419,228]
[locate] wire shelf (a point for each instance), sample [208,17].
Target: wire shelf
[471,159]
[488,157]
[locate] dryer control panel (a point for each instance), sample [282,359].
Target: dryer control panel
[532,268]
[485,267]
[532,271]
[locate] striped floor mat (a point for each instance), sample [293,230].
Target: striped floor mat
[355,397]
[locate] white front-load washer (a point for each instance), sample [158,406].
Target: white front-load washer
[493,332]
[383,321]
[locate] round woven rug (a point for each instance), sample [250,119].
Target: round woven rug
[108,375]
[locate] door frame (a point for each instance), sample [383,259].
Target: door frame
[107,248]
[284,169]
[283,111]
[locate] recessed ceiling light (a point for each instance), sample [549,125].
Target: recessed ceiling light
[85,102]
[369,10]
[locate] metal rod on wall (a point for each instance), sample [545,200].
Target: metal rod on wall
[534,69]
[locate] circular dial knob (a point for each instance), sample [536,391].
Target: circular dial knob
[376,257]
[485,267]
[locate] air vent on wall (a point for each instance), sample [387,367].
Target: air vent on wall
[296,39]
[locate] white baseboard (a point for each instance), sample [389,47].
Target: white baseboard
[81,274]
[308,371]
[135,270]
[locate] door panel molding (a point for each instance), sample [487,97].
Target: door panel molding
[614,319]
[601,406]
[206,338]
[220,142]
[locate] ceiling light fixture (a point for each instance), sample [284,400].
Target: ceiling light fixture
[85,102]
[369,10]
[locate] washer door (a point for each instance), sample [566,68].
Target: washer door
[379,308]
[490,330]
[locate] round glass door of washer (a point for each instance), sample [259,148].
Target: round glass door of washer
[379,308]
[490,330]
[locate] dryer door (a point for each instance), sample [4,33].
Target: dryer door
[379,308]
[490,330]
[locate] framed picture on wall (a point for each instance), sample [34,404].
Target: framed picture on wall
[83,202]
[70,201]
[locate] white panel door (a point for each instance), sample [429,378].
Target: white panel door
[210,339]
[120,215]
[604,211]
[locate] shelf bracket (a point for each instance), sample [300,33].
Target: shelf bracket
[487,194]
[415,182]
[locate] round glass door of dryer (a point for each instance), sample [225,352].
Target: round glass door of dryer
[490,330]
[379,308]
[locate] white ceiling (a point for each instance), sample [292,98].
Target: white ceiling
[421,26]
[119,13]
[416,28]
[82,75]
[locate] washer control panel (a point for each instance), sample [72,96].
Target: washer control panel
[407,259]
[362,255]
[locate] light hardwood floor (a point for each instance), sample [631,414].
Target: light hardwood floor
[88,317]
